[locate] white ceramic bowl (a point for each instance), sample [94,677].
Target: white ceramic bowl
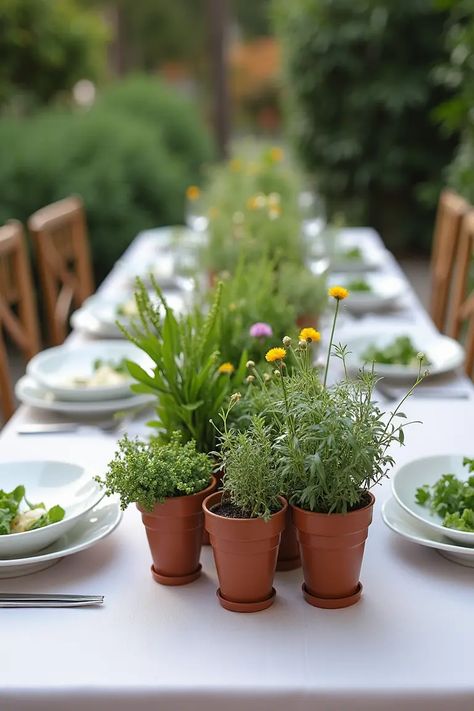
[428,470]
[54,368]
[445,354]
[51,483]
[384,293]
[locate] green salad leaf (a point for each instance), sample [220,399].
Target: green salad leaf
[119,367]
[359,285]
[10,511]
[451,498]
[400,351]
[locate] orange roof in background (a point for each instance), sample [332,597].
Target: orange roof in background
[254,65]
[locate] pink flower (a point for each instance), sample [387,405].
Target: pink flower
[261,330]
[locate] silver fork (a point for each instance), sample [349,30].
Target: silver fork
[48,600]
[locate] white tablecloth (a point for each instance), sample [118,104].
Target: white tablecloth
[408,643]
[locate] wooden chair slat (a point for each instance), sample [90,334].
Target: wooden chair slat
[18,316]
[463,295]
[64,264]
[451,210]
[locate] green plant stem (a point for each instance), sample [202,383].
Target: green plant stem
[330,343]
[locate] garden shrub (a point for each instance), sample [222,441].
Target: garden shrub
[362,91]
[124,169]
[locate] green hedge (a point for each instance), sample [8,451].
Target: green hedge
[362,89]
[127,169]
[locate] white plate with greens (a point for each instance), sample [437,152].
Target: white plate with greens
[370,292]
[40,501]
[399,521]
[436,491]
[88,372]
[395,351]
[94,526]
[29,392]
[99,314]
[349,255]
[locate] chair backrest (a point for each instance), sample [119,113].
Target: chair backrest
[62,249]
[463,292]
[451,210]
[18,316]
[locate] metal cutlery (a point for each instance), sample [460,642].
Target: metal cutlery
[425,391]
[48,600]
[34,428]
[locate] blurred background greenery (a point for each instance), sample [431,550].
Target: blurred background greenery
[117,101]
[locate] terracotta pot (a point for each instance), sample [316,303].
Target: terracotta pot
[174,531]
[218,477]
[245,552]
[332,548]
[289,550]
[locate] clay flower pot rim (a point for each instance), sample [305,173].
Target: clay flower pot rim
[342,515]
[240,520]
[175,498]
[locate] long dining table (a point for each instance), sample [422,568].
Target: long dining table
[407,644]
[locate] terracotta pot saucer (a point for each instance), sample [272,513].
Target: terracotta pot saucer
[175,579]
[246,606]
[332,603]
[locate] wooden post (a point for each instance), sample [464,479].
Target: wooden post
[218,11]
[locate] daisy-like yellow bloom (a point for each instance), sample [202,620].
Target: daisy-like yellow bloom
[310,335]
[275,354]
[226,368]
[338,292]
[193,192]
[235,165]
[252,203]
[274,212]
[276,154]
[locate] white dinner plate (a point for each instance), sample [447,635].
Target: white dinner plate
[98,315]
[55,368]
[408,527]
[385,291]
[445,354]
[90,529]
[30,393]
[51,483]
[428,470]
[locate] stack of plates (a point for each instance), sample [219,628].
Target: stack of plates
[416,523]
[55,379]
[88,518]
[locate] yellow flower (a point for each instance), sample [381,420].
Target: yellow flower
[338,292]
[226,368]
[310,335]
[276,154]
[235,165]
[274,212]
[193,192]
[252,203]
[275,354]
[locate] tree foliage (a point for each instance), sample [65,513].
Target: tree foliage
[361,95]
[45,47]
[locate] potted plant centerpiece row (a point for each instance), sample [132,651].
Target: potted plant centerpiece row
[330,447]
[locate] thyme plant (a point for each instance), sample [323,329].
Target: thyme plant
[251,481]
[148,473]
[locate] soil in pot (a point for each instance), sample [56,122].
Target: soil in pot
[174,531]
[245,552]
[289,550]
[332,548]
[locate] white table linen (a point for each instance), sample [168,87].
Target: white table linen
[407,644]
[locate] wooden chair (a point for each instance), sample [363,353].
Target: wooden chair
[463,294]
[18,316]
[451,210]
[62,249]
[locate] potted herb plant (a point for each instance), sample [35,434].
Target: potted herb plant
[246,518]
[168,483]
[333,451]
